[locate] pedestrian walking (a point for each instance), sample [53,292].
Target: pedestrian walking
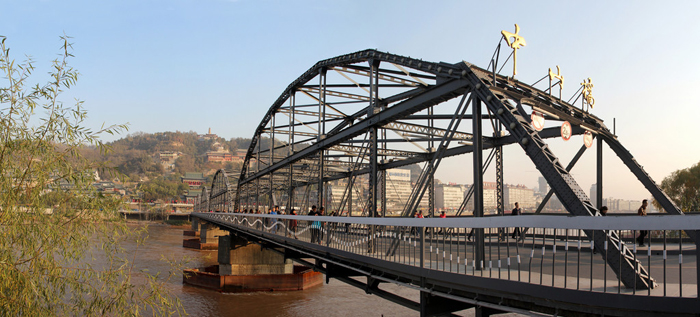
[516,212]
[293,224]
[642,211]
[314,231]
[273,221]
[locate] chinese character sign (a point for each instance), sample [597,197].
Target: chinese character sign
[588,92]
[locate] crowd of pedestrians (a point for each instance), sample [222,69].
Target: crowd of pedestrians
[317,227]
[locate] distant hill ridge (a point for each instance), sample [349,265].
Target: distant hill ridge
[137,155]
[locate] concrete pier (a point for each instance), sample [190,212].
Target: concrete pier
[208,233]
[240,257]
[247,267]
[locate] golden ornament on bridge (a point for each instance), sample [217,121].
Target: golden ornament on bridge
[588,91]
[515,42]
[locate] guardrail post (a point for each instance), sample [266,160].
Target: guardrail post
[697,265]
[422,247]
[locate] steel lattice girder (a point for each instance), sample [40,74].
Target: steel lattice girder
[503,97]
[564,185]
[430,97]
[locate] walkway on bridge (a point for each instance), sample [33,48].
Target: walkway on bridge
[550,268]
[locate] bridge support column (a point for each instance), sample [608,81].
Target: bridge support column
[195,229]
[431,305]
[240,257]
[247,267]
[478,184]
[481,311]
[210,233]
[208,237]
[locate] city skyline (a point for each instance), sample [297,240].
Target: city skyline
[181,65]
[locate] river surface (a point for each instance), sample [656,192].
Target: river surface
[333,299]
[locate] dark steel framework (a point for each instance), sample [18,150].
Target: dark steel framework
[221,194]
[349,119]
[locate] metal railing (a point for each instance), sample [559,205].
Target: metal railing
[551,251]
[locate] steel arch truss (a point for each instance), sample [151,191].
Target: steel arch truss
[201,203]
[221,194]
[347,120]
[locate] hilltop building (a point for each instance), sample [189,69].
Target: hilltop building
[191,195]
[239,154]
[219,155]
[167,158]
[194,180]
[208,136]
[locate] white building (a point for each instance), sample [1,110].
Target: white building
[449,196]
[398,190]
[520,194]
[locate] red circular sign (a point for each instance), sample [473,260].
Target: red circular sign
[537,120]
[588,139]
[566,131]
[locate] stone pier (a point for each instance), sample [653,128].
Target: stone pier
[209,234]
[240,257]
[194,231]
[247,267]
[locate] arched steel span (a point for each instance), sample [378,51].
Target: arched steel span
[201,204]
[351,118]
[221,193]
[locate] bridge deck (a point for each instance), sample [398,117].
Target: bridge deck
[548,268]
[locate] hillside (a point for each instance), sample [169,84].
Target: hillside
[151,165]
[140,156]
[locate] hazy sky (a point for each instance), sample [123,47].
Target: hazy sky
[194,64]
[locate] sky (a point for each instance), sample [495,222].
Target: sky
[191,65]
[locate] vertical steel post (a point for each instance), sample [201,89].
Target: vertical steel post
[599,175]
[257,170]
[422,246]
[383,194]
[500,190]
[272,157]
[384,174]
[257,193]
[431,180]
[290,152]
[351,184]
[500,199]
[374,80]
[478,181]
[321,131]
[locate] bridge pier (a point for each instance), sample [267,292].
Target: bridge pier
[195,229]
[245,267]
[240,257]
[209,234]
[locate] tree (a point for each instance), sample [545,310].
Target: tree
[185,164]
[683,187]
[49,242]
[161,188]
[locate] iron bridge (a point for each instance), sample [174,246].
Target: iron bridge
[338,134]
